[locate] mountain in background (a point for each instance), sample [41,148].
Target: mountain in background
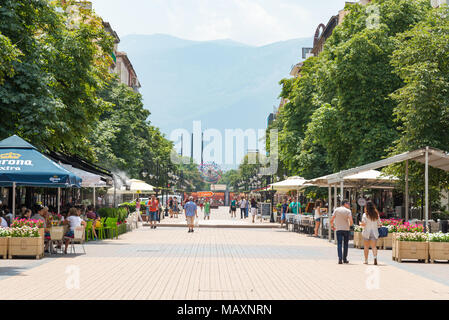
[223,83]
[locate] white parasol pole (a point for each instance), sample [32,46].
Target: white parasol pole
[427,189]
[329,212]
[59,200]
[13,200]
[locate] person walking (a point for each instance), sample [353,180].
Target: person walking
[370,223]
[139,215]
[191,210]
[170,206]
[247,208]
[207,210]
[242,207]
[152,211]
[175,207]
[341,221]
[233,208]
[253,209]
[317,217]
[284,210]
[293,207]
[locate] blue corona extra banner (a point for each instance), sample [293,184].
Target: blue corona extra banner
[20,162]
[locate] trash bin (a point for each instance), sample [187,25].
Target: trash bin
[444,226]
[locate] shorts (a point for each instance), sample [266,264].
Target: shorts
[70,234]
[371,237]
[253,211]
[190,219]
[318,219]
[153,216]
[283,216]
[233,209]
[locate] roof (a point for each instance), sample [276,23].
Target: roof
[80,163]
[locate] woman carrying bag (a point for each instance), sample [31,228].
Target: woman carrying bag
[370,223]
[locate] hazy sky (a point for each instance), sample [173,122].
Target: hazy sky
[255,22]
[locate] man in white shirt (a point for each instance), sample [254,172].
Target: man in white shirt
[343,221]
[242,208]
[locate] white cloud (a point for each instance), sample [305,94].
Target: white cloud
[255,22]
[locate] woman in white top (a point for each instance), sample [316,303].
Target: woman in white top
[74,221]
[370,223]
[317,217]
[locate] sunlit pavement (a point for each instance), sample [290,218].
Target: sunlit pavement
[218,263]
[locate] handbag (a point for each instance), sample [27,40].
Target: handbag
[383,232]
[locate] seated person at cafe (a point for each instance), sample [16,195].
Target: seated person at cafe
[3,222]
[42,214]
[96,220]
[74,221]
[8,216]
[27,214]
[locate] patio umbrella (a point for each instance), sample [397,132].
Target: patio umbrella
[22,165]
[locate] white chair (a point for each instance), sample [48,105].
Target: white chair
[78,236]
[56,236]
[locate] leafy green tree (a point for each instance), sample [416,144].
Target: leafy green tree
[422,112]
[51,99]
[340,112]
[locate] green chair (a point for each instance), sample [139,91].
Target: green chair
[111,224]
[89,230]
[101,230]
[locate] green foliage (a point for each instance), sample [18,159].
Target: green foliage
[50,98]
[120,213]
[340,111]
[8,54]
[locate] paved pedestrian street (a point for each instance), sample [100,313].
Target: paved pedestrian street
[218,263]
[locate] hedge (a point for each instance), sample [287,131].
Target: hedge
[120,213]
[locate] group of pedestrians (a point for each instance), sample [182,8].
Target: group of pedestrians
[291,206]
[246,207]
[342,221]
[174,207]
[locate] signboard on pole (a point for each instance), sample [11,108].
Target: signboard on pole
[362,202]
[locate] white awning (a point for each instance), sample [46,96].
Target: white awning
[90,180]
[367,179]
[437,159]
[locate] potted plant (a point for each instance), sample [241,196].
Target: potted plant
[4,239]
[25,241]
[439,246]
[412,245]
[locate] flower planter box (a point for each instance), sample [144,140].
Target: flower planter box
[413,250]
[439,251]
[25,247]
[388,241]
[4,247]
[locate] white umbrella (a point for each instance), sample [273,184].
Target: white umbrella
[134,186]
[292,183]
